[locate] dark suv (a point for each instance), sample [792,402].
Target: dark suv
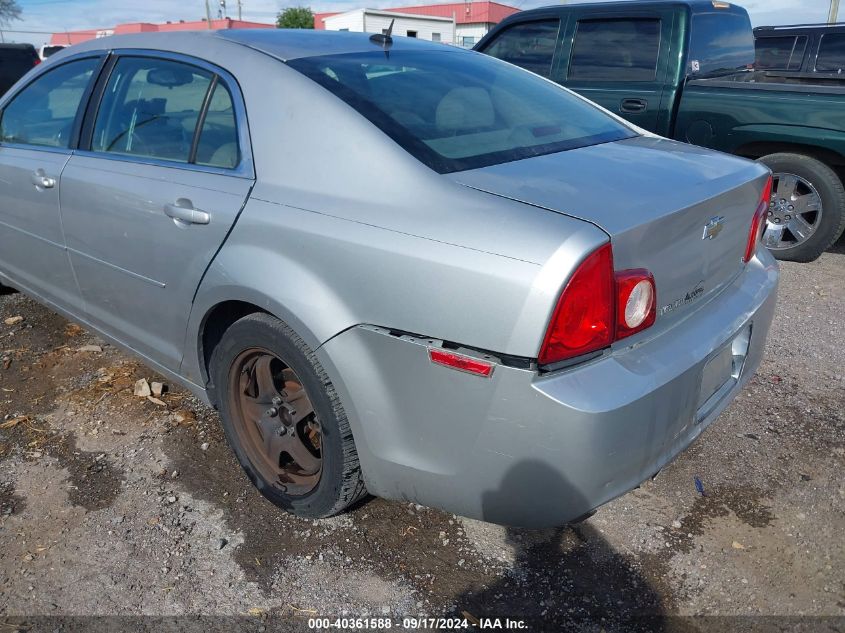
[15,61]
[817,49]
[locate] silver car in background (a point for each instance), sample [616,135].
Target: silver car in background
[394,266]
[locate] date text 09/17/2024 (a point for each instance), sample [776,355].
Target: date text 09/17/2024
[418,623]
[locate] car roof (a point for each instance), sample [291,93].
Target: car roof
[297,43]
[284,44]
[697,6]
[788,28]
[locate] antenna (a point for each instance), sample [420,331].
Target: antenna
[383,38]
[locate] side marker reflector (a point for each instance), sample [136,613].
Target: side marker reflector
[460,362]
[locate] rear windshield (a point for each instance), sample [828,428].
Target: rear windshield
[458,110]
[721,42]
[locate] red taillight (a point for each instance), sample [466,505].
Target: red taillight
[758,222]
[36,61]
[460,362]
[636,302]
[597,307]
[583,320]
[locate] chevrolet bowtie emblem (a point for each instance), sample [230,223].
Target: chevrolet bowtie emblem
[713,228]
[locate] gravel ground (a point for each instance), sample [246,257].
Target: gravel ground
[116,506]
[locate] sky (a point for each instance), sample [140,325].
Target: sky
[59,15]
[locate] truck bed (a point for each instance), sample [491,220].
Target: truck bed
[778,80]
[740,113]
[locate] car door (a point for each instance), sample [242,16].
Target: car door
[37,128]
[619,60]
[162,172]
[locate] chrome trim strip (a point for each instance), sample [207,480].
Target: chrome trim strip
[33,235]
[158,284]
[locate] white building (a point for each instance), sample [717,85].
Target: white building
[424,27]
[472,19]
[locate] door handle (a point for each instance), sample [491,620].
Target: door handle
[41,180]
[183,211]
[633,105]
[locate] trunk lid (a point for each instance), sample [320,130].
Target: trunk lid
[654,198]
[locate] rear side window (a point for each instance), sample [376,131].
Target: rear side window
[618,50]
[218,142]
[530,45]
[455,110]
[831,57]
[150,108]
[780,53]
[721,43]
[43,113]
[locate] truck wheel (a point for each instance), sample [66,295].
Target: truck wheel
[807,211]
[284,420]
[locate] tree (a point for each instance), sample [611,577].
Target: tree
[9,10]
[290,18]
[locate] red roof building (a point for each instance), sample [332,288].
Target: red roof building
[75,37]
[472,19]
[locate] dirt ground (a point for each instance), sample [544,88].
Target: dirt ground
[116,506]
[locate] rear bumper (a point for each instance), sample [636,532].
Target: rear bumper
[536,451]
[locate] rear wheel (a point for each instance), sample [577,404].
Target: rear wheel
[284,420]
[807,210]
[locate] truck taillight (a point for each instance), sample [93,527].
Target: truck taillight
[597,307]
[758,222]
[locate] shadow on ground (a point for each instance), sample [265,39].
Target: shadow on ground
[570,578]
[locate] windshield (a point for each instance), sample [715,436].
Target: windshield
[458,110]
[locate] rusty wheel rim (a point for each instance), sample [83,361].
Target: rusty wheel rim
[275,422]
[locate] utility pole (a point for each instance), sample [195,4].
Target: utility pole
[240,5]
[207,14]
[834,11]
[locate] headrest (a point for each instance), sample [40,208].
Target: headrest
[465,108]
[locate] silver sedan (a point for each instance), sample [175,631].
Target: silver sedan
[394,266]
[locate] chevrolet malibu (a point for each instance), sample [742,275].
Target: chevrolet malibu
[395,267]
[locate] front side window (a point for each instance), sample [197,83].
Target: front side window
[456,110]
[615,50]
[43,113]
[150,109]
[780,53]
[530,45]
[831,57]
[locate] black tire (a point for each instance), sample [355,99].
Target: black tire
[341,482]
[829,187]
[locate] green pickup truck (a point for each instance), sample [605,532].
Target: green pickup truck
[685,69]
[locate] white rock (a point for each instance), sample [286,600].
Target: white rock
[142,388]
